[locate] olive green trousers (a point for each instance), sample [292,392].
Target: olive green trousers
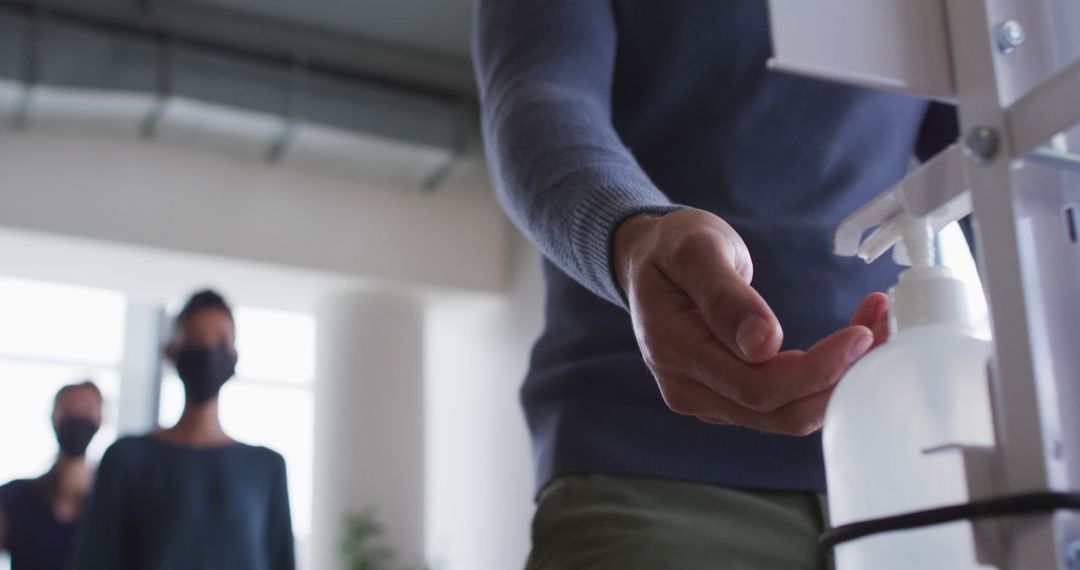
[599,522]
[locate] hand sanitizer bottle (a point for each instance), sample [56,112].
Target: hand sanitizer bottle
[924,388]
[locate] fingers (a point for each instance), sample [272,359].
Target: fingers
[830,358]
[873,313]
[794,375]
[711,340]
[698,376]
[873,307]
[788,395]
[881,331]
[711,265]
[799,418]
[681,345]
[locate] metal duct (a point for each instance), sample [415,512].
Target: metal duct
[59,71]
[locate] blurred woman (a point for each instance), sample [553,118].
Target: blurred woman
[38,517]
[191,496]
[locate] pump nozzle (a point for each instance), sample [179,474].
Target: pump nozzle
[927,293]
[918,235]
[935,195]
[906,218]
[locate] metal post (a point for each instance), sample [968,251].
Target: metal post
[1029,264]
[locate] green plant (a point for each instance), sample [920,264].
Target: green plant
[360,544]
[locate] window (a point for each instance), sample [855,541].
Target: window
[52,335]
[270,401]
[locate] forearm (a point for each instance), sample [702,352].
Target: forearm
[558,165]
[568,182]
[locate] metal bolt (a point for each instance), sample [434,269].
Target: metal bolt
[984,143]
[1009,36]
[1072,554]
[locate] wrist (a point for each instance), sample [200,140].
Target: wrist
[627,238]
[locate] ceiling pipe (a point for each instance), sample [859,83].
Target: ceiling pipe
[289,101]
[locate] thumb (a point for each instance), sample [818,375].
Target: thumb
[713,267]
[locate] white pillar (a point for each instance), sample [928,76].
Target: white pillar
[140,370]
[479,464]
[369,421]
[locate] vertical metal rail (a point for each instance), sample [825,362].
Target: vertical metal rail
[1002,50]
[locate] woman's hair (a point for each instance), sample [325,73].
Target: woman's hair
[84,385]
[201,301]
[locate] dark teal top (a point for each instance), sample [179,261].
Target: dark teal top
[161,506]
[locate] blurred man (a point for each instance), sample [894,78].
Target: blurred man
[190,496]
[38,516]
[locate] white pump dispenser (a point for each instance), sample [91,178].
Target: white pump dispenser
[924,388]
[926,293]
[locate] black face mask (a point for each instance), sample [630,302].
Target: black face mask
[204,370]
[74,435]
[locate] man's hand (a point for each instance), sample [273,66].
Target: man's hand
[709,338]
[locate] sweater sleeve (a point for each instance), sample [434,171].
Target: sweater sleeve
[560,170]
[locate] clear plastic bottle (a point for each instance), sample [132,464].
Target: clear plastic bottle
[924,388]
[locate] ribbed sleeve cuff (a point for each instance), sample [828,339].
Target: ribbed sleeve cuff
[595,219]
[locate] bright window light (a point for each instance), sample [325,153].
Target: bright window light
[26,396]
[276,346]
[61,322]
[52,335]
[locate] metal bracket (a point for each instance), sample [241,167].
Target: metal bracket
[938,190]
[1051,108]
[457,150]
[989,534]
[164,85]
[1055,158]
[294,111]
[20,120]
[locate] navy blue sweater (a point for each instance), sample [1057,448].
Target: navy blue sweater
[594,110]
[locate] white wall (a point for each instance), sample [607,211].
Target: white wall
[480,476]
[155,274]
[198,201]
